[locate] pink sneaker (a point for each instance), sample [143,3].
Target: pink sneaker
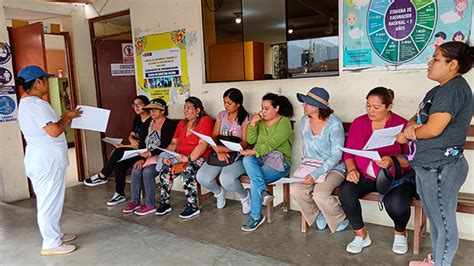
[145,210]
[131,206]
[62,249]
[426,262]
[68,237]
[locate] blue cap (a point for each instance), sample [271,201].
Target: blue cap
[317,97]
[30,73]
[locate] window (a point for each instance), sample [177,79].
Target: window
[270,39]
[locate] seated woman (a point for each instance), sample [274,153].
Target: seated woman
[362,172]
[194,151]
[323,137]
[230,125]
[139,129]
[271,135]
[159,135]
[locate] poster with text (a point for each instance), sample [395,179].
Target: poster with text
[162,67]
[8,100]
[400,32]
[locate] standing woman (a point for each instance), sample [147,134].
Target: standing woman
[438,133]
[46,157]
[231,124]
[271,135]
[323,137]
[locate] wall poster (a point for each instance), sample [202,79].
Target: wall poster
[397,32]
[162,66]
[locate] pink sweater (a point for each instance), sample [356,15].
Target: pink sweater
[360,132]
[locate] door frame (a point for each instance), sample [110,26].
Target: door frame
[93,38]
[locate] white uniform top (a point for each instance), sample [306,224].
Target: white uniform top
[42,150]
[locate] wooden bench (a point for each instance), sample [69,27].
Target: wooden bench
[465,201]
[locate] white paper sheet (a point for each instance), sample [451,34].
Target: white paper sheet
[288,180]
[131,153]
[367,154]
[205,138]
[92,118]
[383,137]
[175,154]
[233,146]
[113,141]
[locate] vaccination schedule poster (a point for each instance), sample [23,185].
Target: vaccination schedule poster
[397,32]
[162,68]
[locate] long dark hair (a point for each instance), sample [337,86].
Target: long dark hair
[286,108]
[458,51]
[197,103]
[236,96]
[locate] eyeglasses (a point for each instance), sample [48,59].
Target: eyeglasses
[137,105]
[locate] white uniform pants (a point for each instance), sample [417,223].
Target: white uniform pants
[50,187]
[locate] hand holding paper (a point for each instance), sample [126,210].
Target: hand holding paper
[131,154]
[92,118]
[205,138]
[373,155]
[383,137]
[233,146]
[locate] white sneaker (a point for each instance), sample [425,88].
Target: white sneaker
[358,244]
[220,199]
[116,199]
[400,244]
[246,203]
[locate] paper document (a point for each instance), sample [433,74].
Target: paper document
[92,118]
[383,137]
[113,141]
[175,154]
[289,180]
[233,146]
[131,153]
[205,138]
[367,154]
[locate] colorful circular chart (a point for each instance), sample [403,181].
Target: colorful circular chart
[399,30]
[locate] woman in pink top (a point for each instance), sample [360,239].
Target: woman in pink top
[362,172]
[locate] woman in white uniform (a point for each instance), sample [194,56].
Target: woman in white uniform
[46,157]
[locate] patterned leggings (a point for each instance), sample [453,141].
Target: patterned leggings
[188,176]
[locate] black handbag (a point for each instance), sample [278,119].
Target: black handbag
[384,180]
[232,156]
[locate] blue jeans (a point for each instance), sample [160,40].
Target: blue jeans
[438,189]
[260,176]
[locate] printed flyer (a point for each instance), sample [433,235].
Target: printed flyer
[162,67]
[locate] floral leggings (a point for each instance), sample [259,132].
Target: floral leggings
[188,176]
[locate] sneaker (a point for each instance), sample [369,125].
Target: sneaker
[220,199]
[320,221]
[189,212]
[343,225]
[267,197]
[400,244]
[246,203]
[145,210]
[252,225]
[116,199]
[95,180]
[163,209]
[62,249]
[358,244]
[131,207]
[68,237]
[426,262]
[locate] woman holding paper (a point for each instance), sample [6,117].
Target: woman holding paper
[231,124]
[46,157]
[438,133]
[323,137]
[271,135]
[362,172]
[159,134]
[136,138]
[194,151]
